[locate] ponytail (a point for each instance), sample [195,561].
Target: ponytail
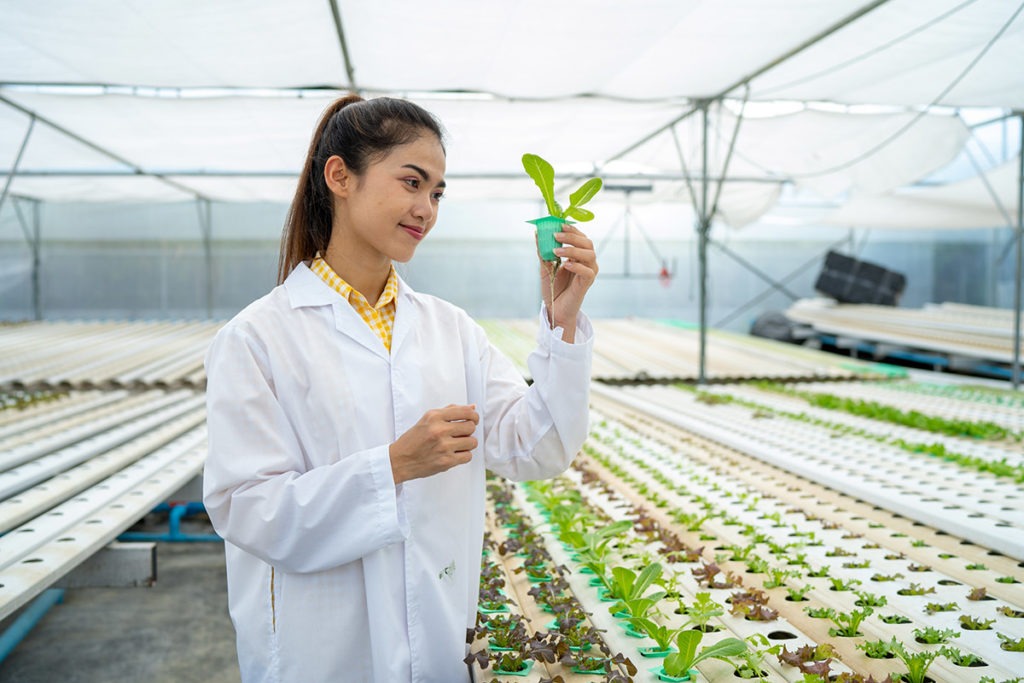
[360,132]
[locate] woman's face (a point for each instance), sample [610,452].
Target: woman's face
[388,210]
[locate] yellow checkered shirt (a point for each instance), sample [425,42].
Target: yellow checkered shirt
[381,316]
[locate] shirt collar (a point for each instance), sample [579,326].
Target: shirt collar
[306,288]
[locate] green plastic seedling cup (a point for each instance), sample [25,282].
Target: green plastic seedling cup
[547,226]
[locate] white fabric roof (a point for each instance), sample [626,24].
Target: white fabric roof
[580,82]
[954,206]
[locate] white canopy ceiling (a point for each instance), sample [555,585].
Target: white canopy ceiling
[588,84]
[984,201]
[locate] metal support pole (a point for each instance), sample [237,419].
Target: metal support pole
[37,300]
[206,228]
[1020,258]
[703,227]
[625,242]
[34,238]
[17,161]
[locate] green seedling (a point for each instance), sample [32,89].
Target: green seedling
[839,584]
[798,594]
[693,521]
[848,623]
[679,663]
[629,587]
[961,658]
[934,607]
[1011,644]
[875,649]
[917,663]
[820,612]
[777,577]
[595,545]
[543,175]
[757,565]
[703,610]
[934,636]
[751,666]
[661,635]
[894,619]
[865,599]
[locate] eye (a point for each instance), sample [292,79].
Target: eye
[438,196]
[412,182]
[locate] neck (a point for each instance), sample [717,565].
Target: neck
[365,273]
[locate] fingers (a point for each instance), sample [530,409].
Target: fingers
[453,413]
[461,423]
[456,413]
[572,235]
[578,250]
[464,445]
[576,253]
[581,271]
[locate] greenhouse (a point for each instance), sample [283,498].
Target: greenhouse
[775,436]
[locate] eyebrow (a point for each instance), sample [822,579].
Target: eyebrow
[426,176]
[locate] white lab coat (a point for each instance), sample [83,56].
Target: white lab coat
[335,575]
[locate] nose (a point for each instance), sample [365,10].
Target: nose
[424,209]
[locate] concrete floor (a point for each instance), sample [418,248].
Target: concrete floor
[177,631]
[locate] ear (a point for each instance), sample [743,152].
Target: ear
[338,177]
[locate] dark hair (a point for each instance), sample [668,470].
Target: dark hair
[360,132]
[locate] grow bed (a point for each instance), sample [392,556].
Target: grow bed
[986,509]
[859,539]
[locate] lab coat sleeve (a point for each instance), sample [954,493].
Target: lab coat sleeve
[258,492]
[535,432]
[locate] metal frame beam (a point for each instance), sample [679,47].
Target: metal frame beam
[704,216]
[136,169]
[195,173]
[350,71]
[775,285]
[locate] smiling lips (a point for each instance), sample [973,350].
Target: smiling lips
[416,232]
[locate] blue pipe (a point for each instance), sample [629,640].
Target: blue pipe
[21,627]
[174,533]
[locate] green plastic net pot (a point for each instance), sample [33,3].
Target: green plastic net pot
[547,226]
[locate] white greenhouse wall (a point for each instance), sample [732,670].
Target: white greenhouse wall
[146,261]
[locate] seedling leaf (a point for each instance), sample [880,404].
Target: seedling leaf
[582,215]
[544,175]
[586,192]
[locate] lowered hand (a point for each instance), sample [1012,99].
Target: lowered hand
[442,439]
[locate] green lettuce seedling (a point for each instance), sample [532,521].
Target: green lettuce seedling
[544,175]
[679,663]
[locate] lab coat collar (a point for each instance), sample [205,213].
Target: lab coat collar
[306,288]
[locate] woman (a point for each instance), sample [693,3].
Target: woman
[348,442]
